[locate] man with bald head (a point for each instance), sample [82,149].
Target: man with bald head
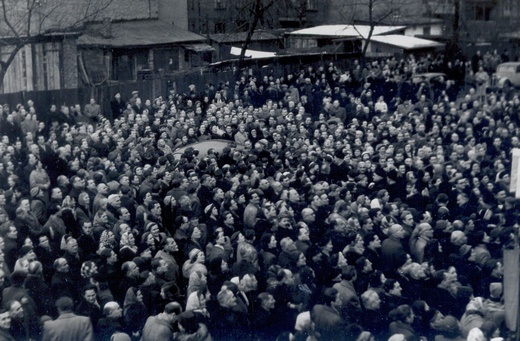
[392,250]
[309,218]
[102,193]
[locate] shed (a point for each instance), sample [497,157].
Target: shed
[139,49]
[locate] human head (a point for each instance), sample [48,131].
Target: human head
[112,310]
[64,304]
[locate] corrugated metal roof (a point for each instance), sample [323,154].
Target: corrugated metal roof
[345,30]
[241,36]
[141,33]
[406,42]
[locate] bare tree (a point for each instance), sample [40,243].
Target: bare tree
[27,21]
[255,10]
[378,12]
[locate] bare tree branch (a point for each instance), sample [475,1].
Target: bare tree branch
[26,21]
[7,21]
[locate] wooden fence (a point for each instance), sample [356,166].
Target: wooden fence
[153,88]
[148,89]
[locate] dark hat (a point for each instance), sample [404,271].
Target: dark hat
[339,154]
[380,171]
[464,292]
[392,175]
[25,250]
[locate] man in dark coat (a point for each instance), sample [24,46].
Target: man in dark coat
[131,271]
[89,305]
[117,106]
[61,282]
[326,317]
[160,327]
[264,326]
[392,250]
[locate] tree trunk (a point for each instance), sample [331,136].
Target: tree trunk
[367,40]
[372,25]
[250,32]
[456,24]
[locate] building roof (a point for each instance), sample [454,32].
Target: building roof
[254,54]
[406,21]
[345,30]
[406,42]
[241,36]
[141,33]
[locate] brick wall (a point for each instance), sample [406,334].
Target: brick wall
[132,9]
[175,11]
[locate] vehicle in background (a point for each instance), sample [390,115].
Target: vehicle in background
[203,147]
[507,76]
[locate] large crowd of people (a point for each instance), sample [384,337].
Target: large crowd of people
[364,203]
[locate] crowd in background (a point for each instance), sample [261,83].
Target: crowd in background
[366,203]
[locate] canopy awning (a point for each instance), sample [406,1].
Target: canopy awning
[235,51]
[406,42]
[345,31]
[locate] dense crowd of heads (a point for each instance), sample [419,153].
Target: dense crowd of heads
[370,202]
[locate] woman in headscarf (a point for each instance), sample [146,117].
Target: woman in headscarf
[108,239]
[88,272]
[197,301]
[134,312]
[195,262]
[128,250]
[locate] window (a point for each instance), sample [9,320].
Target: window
[482,12]
[220,27]
[507,8]
[427,30]
[220,4]
[312,5]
